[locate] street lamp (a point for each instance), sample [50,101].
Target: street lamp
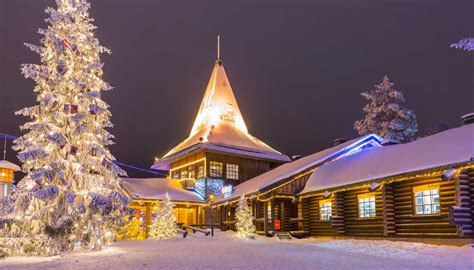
[211,200]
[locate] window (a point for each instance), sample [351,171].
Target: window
[200,173]
[191,172]
[232,171]
[175,175]
[215,169]
[366,205]
[325,208]
[426,199]
[183,174]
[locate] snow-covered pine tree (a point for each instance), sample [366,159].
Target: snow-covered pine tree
[71,192]
[386,115]
[244,224]
[464,44]
[164,226]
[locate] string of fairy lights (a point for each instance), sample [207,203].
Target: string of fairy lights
[5,137]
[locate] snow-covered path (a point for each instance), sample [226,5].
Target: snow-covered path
[225,252]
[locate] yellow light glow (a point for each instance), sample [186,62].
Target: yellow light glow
[188,164]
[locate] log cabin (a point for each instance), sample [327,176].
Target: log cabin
[423,188]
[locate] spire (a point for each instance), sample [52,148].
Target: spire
[219,60]
[218,47]
[219,103]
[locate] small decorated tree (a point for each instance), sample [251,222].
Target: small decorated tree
[386,115]
[132,231]
[164,226]
[244,224]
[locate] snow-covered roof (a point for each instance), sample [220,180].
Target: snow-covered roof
[8,165]
[156,188]
[293,168]
[448,147]
[219,126]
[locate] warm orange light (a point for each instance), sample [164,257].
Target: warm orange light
[211,198]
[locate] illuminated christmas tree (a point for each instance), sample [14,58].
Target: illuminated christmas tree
[244,224]
[164,226]
[131,231]
[71,192]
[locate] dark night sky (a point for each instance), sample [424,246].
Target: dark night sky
[297,68]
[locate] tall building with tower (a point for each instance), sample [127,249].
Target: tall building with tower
[219,152]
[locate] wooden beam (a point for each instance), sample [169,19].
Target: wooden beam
[265,218]
[147,218]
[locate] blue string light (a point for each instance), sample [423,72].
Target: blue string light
[3,135]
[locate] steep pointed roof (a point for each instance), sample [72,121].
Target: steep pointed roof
[220,127]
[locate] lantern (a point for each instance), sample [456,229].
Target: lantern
[6,176]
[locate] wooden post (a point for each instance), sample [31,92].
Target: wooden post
[299,208]
[282,216]
[272,213]
[265,218]
[147,218]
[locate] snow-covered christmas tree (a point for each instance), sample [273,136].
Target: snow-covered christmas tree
[244,224]
[386,115]
[164,226]
[71,192]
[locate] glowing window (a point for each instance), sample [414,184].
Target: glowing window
[215,169]
[232,171]
[191,173]
[183,174]
[426,199]
[366,205]
[200,173]
[175,175]
[325,209]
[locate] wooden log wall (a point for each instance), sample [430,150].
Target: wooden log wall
[311,219]
[388,211]
[408,224]
[338,219]
[462,213]
[356,226]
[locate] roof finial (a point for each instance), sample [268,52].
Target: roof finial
[4,147]
[218,47]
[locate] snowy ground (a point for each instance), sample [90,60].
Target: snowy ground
[224,252]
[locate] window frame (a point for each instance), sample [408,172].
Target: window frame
[212,173]
[322,203]
[363,197]
[234,174]
[422,188]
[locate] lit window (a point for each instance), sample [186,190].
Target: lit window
[183,174]
[366,205]
[426,199]
[175,175]
[232,171]
[200,171]
[325,208]
[215,169]
[191,172]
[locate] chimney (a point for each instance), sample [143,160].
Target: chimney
[338,141]
[467,119]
